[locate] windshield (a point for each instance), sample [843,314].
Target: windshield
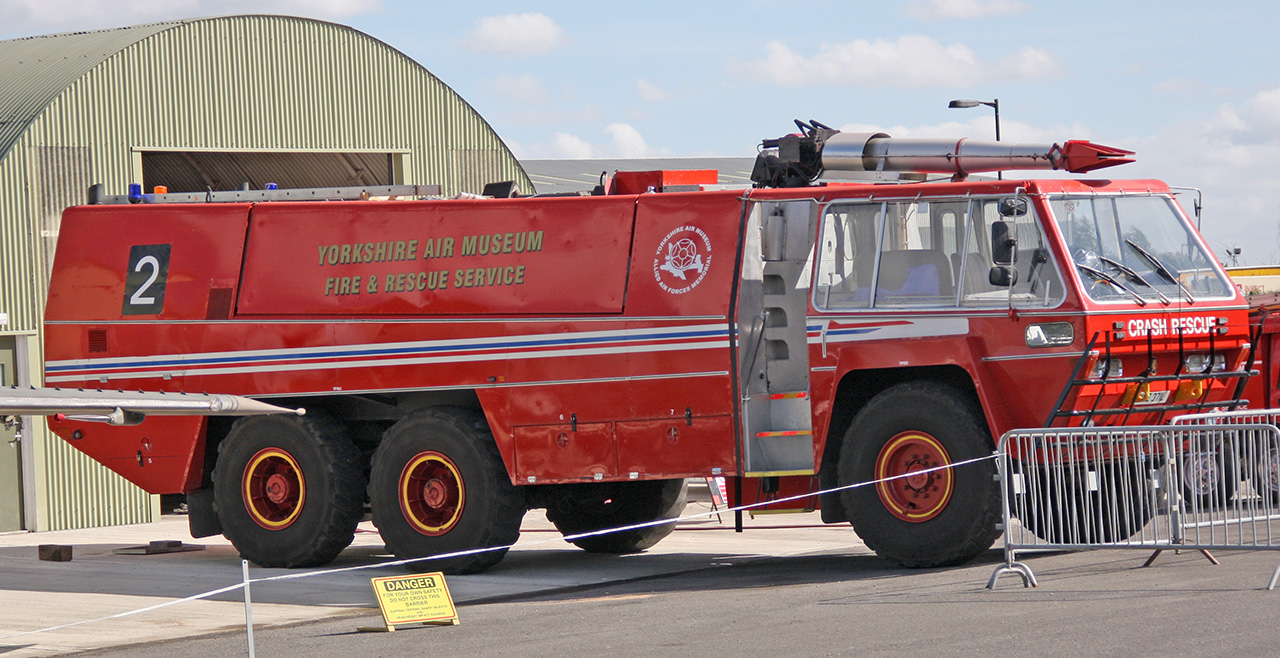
[1138,249]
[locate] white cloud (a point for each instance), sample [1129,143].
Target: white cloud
[908,61]
[935,10]
[626,142]
[1031,64]
[525,88]
[37,16]
[1256,121]
[570,147]
[622,140]
[515,34]
[651,92]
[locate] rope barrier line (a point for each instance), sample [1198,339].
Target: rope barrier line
[475,551]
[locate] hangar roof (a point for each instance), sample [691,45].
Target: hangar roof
[35,70]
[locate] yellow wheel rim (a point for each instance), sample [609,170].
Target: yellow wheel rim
[432,493]
[916,494]
[274,489]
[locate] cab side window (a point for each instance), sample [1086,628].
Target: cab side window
[849,236]
[893,254]
[1039,283]
[927,253]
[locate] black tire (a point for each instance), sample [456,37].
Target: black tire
[457,497]
[920,524]
[1207,479]
[1266,475]
[1073,506]
[579,508]
[288,490]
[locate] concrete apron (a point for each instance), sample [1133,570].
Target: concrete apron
[99,583]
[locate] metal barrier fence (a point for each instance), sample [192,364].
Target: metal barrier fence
[1208,481]
[1226,480]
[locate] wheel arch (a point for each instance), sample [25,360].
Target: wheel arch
[366,414]
[855,390]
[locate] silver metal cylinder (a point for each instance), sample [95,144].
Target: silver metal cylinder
[880,152]
[846,151]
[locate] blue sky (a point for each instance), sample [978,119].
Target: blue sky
[1193,87]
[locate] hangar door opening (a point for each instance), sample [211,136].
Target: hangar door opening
[198,171]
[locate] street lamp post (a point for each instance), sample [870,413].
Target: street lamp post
[993,104]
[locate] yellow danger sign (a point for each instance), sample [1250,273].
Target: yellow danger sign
[417,599]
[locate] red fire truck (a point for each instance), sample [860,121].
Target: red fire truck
[465,360]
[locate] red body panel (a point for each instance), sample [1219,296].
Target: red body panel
[551,350]
[1263,391]
[93,258]
[446,258]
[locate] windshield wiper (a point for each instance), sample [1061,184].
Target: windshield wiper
[1128,271]
[1103,276]
[1162,270]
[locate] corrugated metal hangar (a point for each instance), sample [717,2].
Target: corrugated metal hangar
[193,105]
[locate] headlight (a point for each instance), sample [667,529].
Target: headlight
[1116,369]
[1199,363]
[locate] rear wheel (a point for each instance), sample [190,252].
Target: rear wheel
[922,517]
[438,485]
[1208,480]
[1266,476]
[289,490]
[580,508]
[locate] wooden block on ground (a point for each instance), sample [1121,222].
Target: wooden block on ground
[55,553]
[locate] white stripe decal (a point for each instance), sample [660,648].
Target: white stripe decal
[839,331]
[395,354]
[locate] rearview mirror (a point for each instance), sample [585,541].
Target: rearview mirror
[1003,243]
[1013,206]
[1002,276]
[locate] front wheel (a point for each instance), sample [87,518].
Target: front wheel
[438,485]
[924,516]
[584,508]
[288,489]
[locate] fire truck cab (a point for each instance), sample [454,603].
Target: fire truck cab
[463,361]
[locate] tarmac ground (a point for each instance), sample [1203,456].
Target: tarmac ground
[92,602]
[102,587]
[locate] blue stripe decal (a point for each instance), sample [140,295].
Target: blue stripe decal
[851,332]
[365,352]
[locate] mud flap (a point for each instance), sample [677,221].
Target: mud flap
[201,515]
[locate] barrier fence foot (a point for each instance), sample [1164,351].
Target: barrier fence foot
[1022,570]
[1204,551]
[1274,577]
